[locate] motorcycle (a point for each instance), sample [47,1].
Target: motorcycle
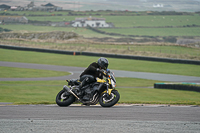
[102,91]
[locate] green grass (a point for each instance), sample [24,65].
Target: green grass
[124,22]
[188,31]
[64,13]
[44,92]
[29,91]
[53,18]
[163,50]
[131,21]
[158,96]
[22,13]
[191,31]
[84,61]
[134,82]
[11,72]
[31,28]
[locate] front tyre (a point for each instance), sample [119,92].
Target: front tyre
[109,100]
[64,99]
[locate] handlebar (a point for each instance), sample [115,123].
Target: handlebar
[105,73]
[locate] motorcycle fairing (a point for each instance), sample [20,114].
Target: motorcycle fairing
[100,80]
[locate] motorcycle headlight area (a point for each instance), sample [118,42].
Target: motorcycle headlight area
[113,83]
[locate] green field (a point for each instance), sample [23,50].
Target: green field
[191,31]
[31,28]
[131,21]
[68,13]
[126,23]
[26,13]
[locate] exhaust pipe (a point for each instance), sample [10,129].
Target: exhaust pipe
[70,91]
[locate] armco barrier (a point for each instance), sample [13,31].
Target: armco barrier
[178,86]
[170,60]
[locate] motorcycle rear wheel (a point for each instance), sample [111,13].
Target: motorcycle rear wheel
[109,101]
[63,100]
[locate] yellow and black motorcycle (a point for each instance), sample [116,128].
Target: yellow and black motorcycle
[102,91]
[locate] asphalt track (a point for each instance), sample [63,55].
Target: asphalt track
[75,72]
[92,119]
[84,119]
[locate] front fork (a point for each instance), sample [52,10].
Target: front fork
[107,85]
[107,91]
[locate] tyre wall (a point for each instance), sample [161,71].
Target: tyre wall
[179,86]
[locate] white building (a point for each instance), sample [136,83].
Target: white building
[158,5]
[92,22]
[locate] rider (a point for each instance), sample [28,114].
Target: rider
[93,71]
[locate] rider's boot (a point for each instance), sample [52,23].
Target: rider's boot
[83,86]
[83,83]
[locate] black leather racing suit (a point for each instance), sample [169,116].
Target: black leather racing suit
[89,75]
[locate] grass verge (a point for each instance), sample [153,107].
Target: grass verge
[44,92]
[158,96]
[11,72]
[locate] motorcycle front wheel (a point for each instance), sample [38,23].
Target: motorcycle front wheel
[109,100]
[64,100]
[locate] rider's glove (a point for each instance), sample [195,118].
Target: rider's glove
[99,70]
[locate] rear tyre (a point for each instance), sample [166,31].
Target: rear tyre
[64,100]
[109,100]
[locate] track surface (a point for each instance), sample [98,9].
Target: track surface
[83,119]
[77,70]
[130,118]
